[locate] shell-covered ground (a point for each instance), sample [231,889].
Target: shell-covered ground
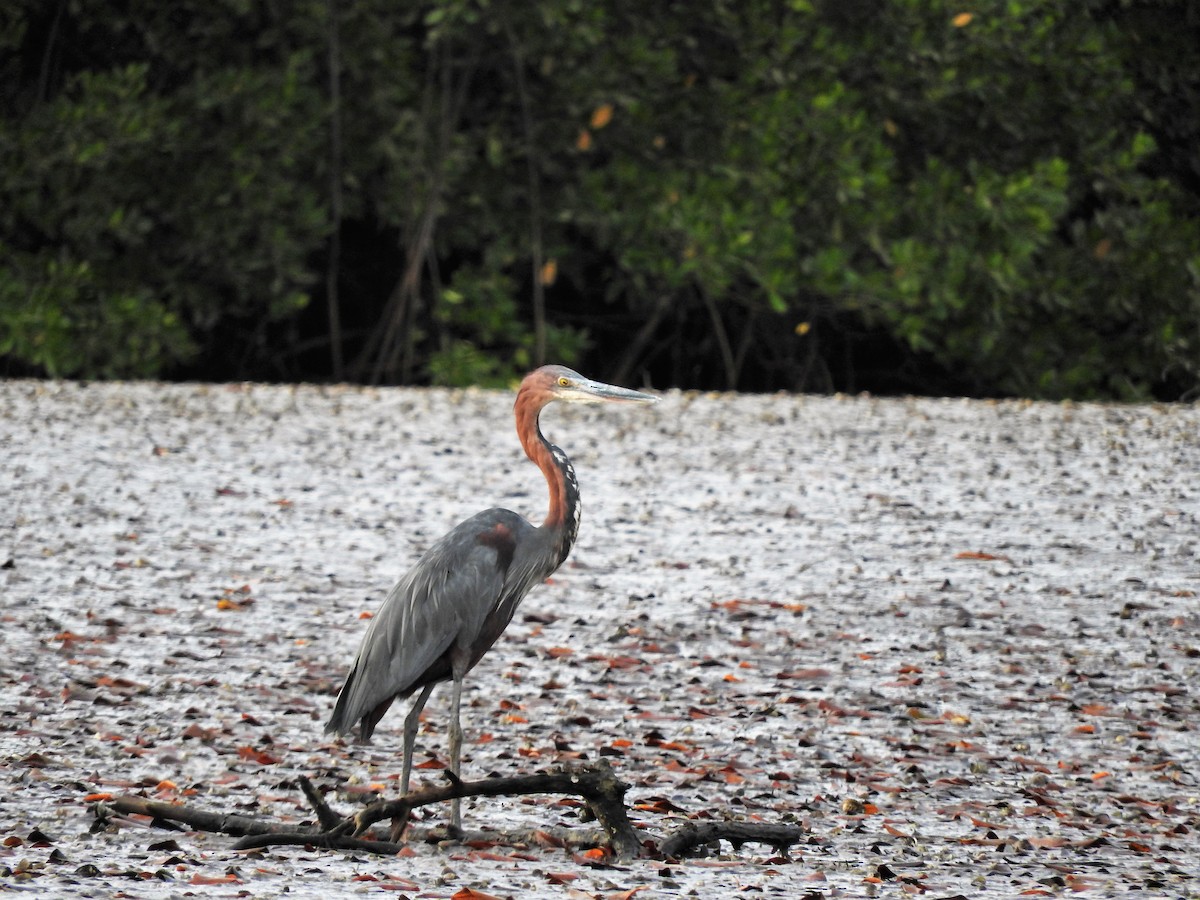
[955,640]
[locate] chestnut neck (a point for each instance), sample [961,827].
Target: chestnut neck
[562,519]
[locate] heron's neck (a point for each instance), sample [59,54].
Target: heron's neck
[562,519]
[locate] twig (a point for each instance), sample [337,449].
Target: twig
[325,815]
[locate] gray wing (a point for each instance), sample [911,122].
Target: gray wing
[436,612]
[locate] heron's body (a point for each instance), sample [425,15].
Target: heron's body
[444,614]
[440,619]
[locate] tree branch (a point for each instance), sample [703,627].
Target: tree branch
[597,785]
[635,347]
[689,837]
[198,819]
[324,840]
[731,371]
[535,201]
[332,301]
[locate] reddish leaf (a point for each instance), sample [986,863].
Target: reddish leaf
[806,674]
[545,839]
[253,754]
[978,554]
[227,878]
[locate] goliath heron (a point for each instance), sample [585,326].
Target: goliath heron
[440,619]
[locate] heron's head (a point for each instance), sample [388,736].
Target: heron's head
[550,383]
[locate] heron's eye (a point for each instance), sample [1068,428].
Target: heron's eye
[564,382]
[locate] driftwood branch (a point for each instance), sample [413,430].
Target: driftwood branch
[597,785]
[253,832]
[163,813]
[323,840]
[688,837]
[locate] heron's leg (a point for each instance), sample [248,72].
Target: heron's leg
[411,724]
[456,739]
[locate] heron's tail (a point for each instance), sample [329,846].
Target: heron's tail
[353,705]
[346,712]
[339,722]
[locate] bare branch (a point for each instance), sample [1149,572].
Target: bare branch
[690,836]
[598,785]
[535,200]
[310,839]
[332,301]
[325,815]
[199,819]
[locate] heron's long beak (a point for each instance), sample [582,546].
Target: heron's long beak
[599,391]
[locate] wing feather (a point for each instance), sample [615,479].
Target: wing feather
[440,608]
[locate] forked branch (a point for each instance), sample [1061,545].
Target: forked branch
[597,785]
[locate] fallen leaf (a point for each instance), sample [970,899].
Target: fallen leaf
[253,754]
[227,878]
[806,674]
[978,554]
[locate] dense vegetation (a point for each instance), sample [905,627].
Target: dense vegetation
[983,197]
